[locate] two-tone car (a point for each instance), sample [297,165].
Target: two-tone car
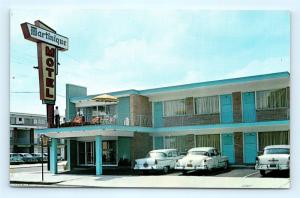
[16,158]
[274,158]
[27,158]
[158,160]
[202,158]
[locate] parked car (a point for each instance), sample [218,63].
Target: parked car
[37,156]
[158,160]
[202,158]
[16,158]
[27,158]
[274,158]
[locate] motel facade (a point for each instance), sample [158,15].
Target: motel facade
[238,116]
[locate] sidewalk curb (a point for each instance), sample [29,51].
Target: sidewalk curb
[34,182]
[31,165]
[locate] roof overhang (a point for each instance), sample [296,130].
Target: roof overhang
[128,131]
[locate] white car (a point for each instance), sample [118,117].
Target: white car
[202,158]
[275,157]
[158,160]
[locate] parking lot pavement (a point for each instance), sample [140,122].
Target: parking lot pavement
[231,178]
[233,172]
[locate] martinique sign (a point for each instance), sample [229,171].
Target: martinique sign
[38,34]
[48,44]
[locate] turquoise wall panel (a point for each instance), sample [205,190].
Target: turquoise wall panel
[98,152]
[73,91]
[249,111]
[226,108]
[53,156]
[228,147]
[158,142]
[158,114]
[124,145]
[250,147]
[123,109]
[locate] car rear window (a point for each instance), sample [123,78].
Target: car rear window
[277,151]
[198,153]
[156,154]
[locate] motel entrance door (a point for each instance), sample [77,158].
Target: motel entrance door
[87,153]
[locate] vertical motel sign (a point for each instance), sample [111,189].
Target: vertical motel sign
[48,44]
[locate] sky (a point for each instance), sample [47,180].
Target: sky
[112,50]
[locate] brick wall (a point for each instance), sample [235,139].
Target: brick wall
[192,120]
[237,107]
[140,111]
[272,114]
[238,147]
[141,144]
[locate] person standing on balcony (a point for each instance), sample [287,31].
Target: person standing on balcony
[56,116]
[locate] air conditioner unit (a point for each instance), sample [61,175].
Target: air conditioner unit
[20,120]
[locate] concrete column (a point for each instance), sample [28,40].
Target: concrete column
[69,154]
[98,155]
[53,156]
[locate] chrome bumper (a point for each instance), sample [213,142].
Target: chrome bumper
[272,167]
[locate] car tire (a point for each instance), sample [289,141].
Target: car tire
[165,170]
[226,165]
[184,172]
[262,172]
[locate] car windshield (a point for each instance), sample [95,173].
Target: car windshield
[27,155]
[156,154]
[198,153]
[277,151]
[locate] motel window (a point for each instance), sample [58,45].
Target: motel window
[212,140]
[271,99]
[207,105]
[273,138]
[181,143]
[174,108]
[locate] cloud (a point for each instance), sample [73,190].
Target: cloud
[264,66]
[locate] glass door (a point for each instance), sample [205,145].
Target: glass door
[90,148]
[86,153]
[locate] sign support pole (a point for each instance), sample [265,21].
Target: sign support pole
[50,120]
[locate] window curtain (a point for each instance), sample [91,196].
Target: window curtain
[207,105]
[177,142]
[212,140]
[271,99]
[273,138]
[174,107]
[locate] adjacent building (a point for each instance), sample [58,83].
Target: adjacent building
[239,116]
[22,136]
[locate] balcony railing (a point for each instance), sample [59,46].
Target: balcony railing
[119,120]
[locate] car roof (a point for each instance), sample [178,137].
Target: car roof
[202,149]
[277,146]
[163,150]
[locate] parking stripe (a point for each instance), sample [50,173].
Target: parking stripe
[250,174]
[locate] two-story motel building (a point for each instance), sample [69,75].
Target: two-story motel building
[238,116]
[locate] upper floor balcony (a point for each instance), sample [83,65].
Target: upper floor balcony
[109,119]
